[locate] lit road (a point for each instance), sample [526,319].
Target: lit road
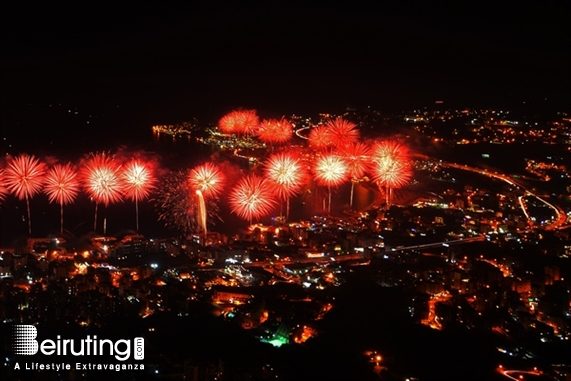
[324,259]
[520,375]
[460,241]
[349,257]
[432,320]
[299,134]
[506,271]
[559,212]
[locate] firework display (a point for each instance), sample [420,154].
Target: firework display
[62,186]
[342,132]
[24,177]
[138,181]
[357,157]
[239,121]
[252,198]
[320,138]
[3,189]
[390,166]
[333,154]
[103,179]
[390,161]
[207,178]
[275,131]
[286,174]
[177,208]
[202,212]
[330,170]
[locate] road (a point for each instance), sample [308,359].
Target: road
[559,212]
[351,257]
[520,375]
[460,241]
[324,259]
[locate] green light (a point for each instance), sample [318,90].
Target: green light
[277,342]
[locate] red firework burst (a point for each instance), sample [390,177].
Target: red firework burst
[239,121]
[62,184]
[342,132]
[251,198]
[3,189]
[103,179]
[389,149]
[391,173]
[207,178]
[357,158]
[275,131]
[285,173]
[390,164]
[319,138]
[330,170]
[138,180]
[227,123]
[24,176]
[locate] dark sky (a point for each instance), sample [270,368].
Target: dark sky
[228,54]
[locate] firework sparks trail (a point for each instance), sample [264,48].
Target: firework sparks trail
[202,213]
[251,198]
[207,180]
[177,205]
[62,186]
[24,177]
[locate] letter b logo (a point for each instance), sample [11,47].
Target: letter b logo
[25,339]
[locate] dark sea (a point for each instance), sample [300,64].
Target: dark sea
[65,132]
[62,132]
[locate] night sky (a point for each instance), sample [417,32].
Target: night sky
[213,56]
